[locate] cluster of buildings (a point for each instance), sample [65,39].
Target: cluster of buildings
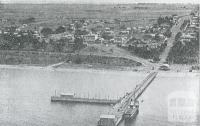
[191,30]
[19,31]
[125,37]
[27,30]
[153,37]
[102,35]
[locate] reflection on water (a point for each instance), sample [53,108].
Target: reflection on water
[25,96]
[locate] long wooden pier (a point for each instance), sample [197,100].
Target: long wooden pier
[83,100]
[119,109]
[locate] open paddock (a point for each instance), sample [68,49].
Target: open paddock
[56,14]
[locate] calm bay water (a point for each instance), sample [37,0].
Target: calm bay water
[25,96]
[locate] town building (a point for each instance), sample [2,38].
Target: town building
[120,40]
[90,38]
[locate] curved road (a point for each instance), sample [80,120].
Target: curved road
[125,54]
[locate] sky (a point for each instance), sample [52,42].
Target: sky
[100,1]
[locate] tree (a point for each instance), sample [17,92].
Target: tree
[168,33]
[78,43]
[123,27]
[81,32]
[94,30]
[77,59]
[60,29]
[46,31]
[28,47]
[156,58]
[28,20]
[166,19]
[178,35]
[49,48]
[83,20]
[192,13]
[160,20]
[107,36]
[5,45]
[78,25]
[59,45]
[157,37]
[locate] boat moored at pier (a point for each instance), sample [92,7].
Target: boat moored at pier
[132,111]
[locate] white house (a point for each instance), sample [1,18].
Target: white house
[90,38]
[124,32]
[107,29]
[120,40]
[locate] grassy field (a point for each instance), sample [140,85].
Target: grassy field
[53,15]
[46,58]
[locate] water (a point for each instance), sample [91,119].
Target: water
[154,108]
[25,96]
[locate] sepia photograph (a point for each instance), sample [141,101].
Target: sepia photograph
[99,63]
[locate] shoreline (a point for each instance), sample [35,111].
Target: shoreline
[67,68]
[83,68]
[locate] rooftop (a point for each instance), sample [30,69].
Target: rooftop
[107,116]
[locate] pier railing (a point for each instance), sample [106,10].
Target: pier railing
[119,109]
[83,100]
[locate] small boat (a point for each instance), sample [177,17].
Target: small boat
[132,111]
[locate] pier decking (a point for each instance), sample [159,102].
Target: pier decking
[120,106]
[119,109]
[83,100]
